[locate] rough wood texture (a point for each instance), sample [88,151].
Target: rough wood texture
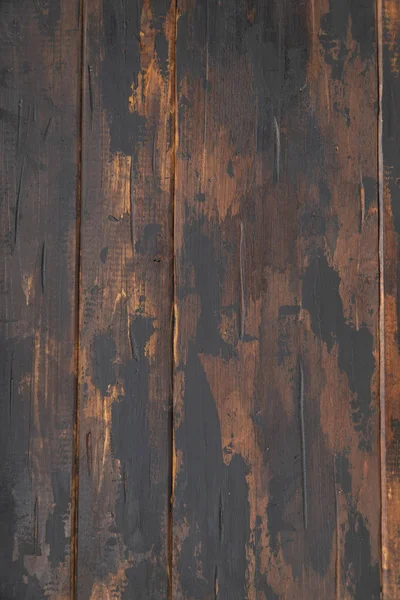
[199,299]
[39,125]
[390,182]
[276,488]
[126,300]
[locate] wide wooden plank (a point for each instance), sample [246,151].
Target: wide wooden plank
[390,248]
[276,422]
[39,127]
[125,363]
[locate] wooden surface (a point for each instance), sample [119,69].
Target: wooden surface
[199,300]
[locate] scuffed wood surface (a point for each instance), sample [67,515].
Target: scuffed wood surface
[199,300]
[126,300]
[276,489]
[39,127]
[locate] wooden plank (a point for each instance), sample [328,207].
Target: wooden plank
[276,468]
[390,180]
[126,300]
[39,126]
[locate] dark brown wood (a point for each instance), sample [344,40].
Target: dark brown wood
[125,342]
[199,299]
[277,484]
[39,126]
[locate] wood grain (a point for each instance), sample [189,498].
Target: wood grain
[390,180]
[39,126]
[276,422]
[199,299]
[126,300]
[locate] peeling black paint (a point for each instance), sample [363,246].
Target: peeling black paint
[359,17]
[121,46]
[56,522]
[161,48]
[360,575]
[321,297]
[141,502]
[104,354]
[200,253]
[218,520]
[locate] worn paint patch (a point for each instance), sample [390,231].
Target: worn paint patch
[343,17]
[361,577]
[321,297]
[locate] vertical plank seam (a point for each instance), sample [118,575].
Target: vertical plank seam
[76,412]
[381,250]
[174,102]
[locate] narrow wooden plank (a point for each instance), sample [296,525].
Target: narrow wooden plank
[126,291]
[276,468]
[39,127]
[390,181]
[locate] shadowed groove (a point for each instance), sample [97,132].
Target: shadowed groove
[76,414]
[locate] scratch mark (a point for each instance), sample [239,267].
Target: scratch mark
[19,123]
[277,149]
[133,345]
[90,71]
[34,112]
[17,205]
[47,130]
[132,201]
[242,281]
[35,526]
[362,202]
[303,443]
[89,452]
[11,384]
[220,518]
[43,267]
[216,583]
[124,482]
[337,562]
[154,157]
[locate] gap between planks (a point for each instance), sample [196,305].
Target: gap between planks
[78,241]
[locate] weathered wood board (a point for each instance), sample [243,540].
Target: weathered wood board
[277,483]
[199,299]
[126,300]
[39,133]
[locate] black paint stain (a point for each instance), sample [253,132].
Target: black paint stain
[104,355]
[141,503]
[121,47]
[150,241]
[212,496]
[55,524]
[161,49]
[103,255]
[360,575]
[200,253]
[321,297]
[342,14]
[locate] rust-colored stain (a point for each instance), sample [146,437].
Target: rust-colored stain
[200,300]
